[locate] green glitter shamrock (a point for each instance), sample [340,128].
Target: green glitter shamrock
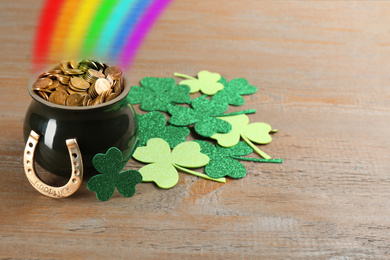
[222,161]
[110,165]
[207,82]
[163,163]
[152,125]
[233,90]
[158,94]
[204,115]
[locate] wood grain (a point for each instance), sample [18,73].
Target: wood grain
[322,68]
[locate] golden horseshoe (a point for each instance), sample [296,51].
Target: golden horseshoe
[54,192]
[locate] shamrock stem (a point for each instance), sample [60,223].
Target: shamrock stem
[279,160]
[254,147]
[202,175]
[249,111]
[182,76]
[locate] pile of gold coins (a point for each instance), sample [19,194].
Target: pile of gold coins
[84,83]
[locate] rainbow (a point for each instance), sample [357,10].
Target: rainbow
[105,30]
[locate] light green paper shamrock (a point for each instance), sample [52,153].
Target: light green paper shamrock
[207,82]
[163,163]
[255,132]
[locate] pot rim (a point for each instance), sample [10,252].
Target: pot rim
[39,99]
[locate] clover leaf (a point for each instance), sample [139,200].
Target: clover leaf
[163,163]
[158,94]
[110,165]
[207,82]
[203,114]
[152,125]
[233,90]
[223,160]
[255,132]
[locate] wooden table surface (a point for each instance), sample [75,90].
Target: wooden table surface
[323,72]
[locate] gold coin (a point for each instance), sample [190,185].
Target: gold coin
[58,97]
[89,64]
[79,83]
[42,83]
[92,91]
[111,96]
[63,79]
[49,76]
[75,100]
[115,87]
[112,82]
[64,65]
[44,90]
[50,73]
[70,91]
[58,75]
[73,72]
[95,73]
[92,75]
[83,67]
[84,81]
[55,71]
[102,98]
[114,72]
[102,85]
[105,95]
[63,87]
[87,99]
[43,95]
[101,66]
[96,101]
[54,85]
[74,64]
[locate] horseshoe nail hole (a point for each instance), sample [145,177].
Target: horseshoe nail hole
[30,144]
[29,171]
[28,152]
[74,180]
[77,172]
[74,155]
[28,162]
[76,164]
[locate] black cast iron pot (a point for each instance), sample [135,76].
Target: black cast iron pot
[96,128]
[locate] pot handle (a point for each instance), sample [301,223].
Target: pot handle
[50,191]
